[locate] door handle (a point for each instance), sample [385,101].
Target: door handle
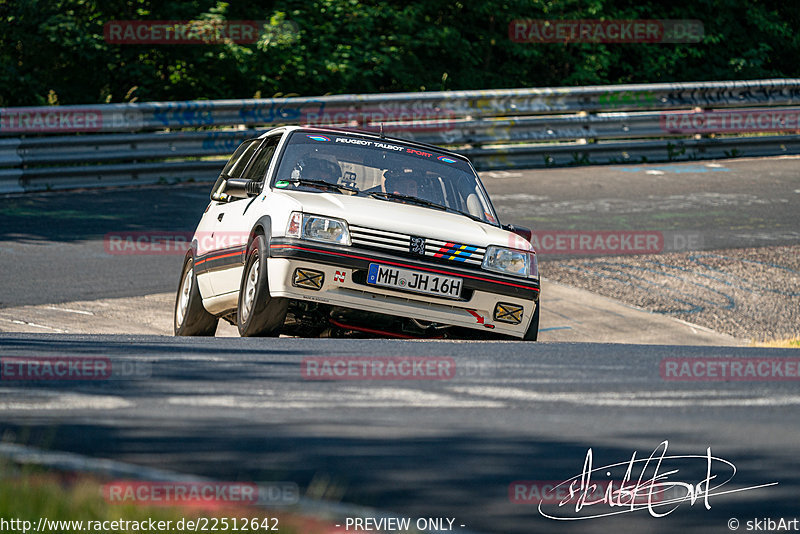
[220,216]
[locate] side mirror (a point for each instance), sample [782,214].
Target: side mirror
[522,231]
[242,188]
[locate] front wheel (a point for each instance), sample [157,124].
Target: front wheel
[190,318]
[258,313]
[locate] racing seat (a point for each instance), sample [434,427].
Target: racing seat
[474,205]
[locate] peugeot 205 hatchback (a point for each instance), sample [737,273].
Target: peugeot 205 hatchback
[325,232]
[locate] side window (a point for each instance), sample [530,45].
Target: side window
[240,159]
[260,164]
[233,169]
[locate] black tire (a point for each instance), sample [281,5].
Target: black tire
[258,313]
[533,330]
[190,318]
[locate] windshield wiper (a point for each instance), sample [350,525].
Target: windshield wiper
[409,198]
[329,185]
[423,202]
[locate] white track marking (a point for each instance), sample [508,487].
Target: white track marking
[68,310]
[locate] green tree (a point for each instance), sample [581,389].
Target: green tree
[55,51]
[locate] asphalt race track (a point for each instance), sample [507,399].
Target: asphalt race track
[241,409]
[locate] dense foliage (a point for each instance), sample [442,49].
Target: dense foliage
[54,51]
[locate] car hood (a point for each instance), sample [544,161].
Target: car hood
[393,216]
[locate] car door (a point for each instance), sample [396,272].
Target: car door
[234,222]
[212,246]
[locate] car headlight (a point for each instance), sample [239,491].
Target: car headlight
[318,228]
[511,261]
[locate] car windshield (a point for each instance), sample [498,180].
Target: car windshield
[385,169]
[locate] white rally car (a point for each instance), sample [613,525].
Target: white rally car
[325,232]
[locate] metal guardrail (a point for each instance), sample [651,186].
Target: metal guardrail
[123,144]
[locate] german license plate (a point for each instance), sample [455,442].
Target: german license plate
[417,281]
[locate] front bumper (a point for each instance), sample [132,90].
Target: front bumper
[344,285]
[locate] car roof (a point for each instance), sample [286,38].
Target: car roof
[361,133]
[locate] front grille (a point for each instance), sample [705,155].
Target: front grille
[400,244]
